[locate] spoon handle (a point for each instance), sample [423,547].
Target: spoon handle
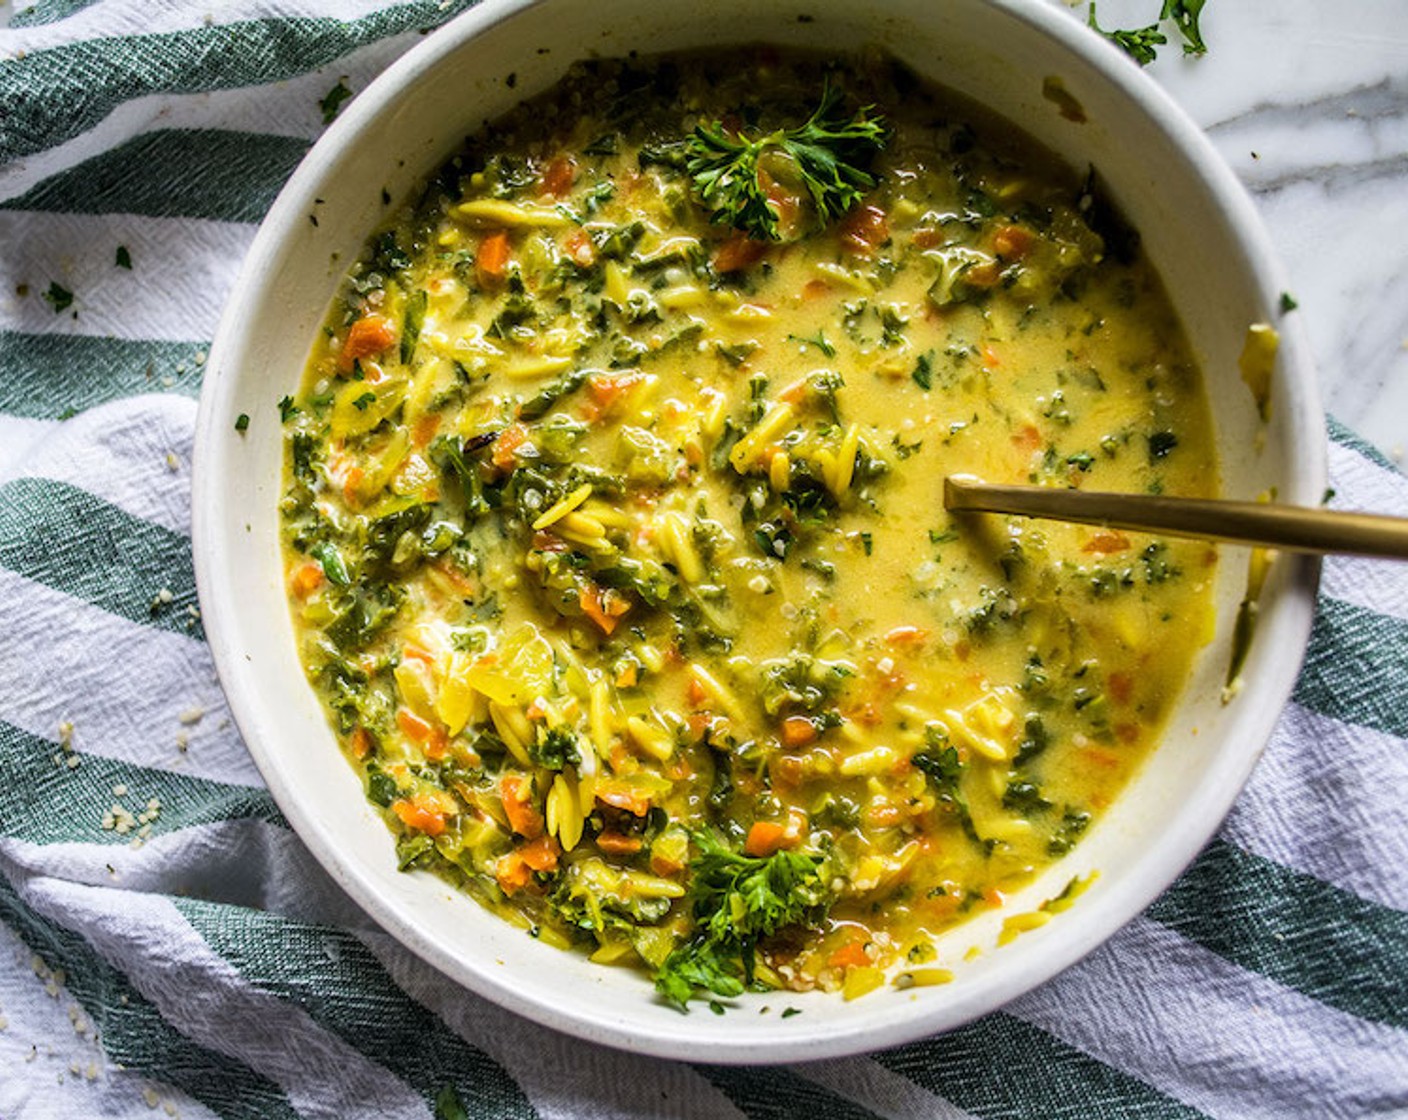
[1256,523]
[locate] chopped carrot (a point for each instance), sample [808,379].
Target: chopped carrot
[537,709]
[983,275]
[662,864]
[580,248]
[1012,242]
[512,872]
[415,653]
[424,429]
[814,289]
[608,388]
[414,727]
[307,579]
[618,843]
[994,897]
[764,838]
[864,230]
[624,798]
[369,335]
[850,955]
[437,744]
[558,176]
[1027,437]
[541,854]
[628,676]
[787,771]
[1105,542]
[350,482]
[421,813]
[798,731]
[928,238]
[697,695]
[591,600]
[491,259]
[505,449]
[990,356]
[906,635]
[359,742]
[737,253]
[516,793]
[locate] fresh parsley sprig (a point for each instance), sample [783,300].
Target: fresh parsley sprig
[737,901]
[831,152]
[1142,43]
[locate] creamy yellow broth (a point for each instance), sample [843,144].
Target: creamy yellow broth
[615,540]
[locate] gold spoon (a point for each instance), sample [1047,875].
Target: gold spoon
[1256,523]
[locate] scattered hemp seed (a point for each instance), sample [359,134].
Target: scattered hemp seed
[192,715]
[162,598]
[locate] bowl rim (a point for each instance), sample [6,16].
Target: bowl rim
[1286,628]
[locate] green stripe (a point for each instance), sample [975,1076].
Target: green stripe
[775,1094]
[1347,437]
[1321,941]
[133,1033]
[1002,1067]
[1356,667]
[47,803]
[51,96]
[344,988]
[209,173]
[52,376]
[47,11]
[71,541]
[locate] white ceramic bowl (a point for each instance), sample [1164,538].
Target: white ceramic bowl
[1199,228]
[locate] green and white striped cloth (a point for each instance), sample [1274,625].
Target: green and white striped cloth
[166,941]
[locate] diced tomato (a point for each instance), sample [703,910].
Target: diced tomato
[558,176]
[738,252]
[864,230]
[605,608]
[1012,243]
[850,955]
[1027,438]
[580,248]
[1105,542]
[1121,687]
[504,452]
[369,335]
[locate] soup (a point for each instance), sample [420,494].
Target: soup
[614,531]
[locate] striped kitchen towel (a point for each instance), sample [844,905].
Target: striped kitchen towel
[166,943]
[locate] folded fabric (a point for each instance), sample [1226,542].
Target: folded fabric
[165,939]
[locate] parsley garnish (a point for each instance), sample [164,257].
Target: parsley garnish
[1288,303]
[1142,43]
[364,400]
[124,258]
[242,422]
[923,372]
[331,105]
[58,297]
[831,154]
[819,342]
[737,901]
[287,409]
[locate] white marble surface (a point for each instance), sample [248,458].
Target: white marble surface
[1308,101]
